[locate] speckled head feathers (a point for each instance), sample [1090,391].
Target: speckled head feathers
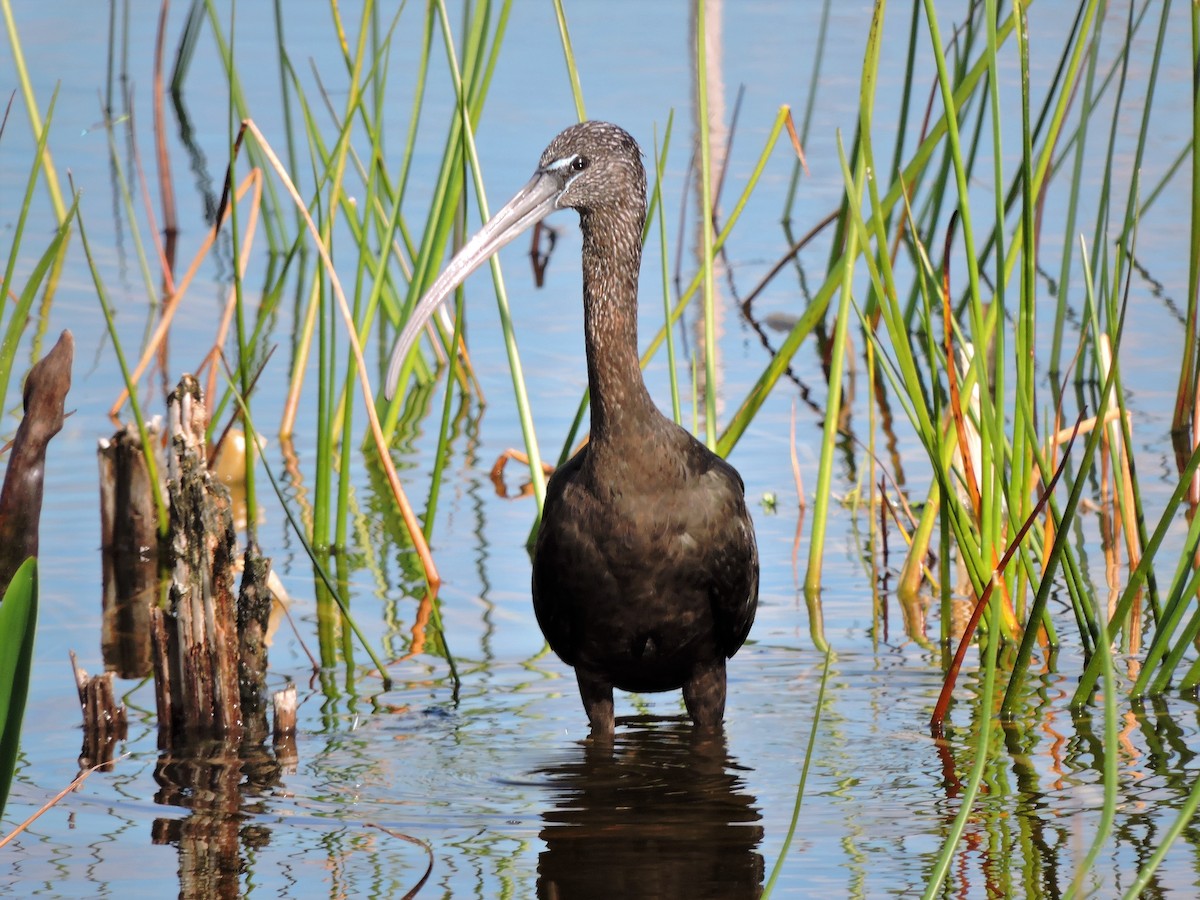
[600,165]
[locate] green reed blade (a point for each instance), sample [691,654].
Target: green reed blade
[808,757]
[569,56]
[160,503]
[18,627]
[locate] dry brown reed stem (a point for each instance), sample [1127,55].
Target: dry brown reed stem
[214,354]
[1129,526]
[420,625]
[165,184]
[291,405]
[795,460]
[799,496]
[791,251]
[1194,490]
[168,267]
[78,780]
[1084,428]
[960,423]
[415,889]
[381,446]
[497,474]
[796,145]
[170,304]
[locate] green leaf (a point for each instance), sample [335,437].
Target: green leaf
[18,621]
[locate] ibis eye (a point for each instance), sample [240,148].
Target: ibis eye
[580,163]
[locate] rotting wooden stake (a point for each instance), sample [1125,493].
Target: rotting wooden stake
[129,549]
[284,703]
[195,641]
[104,719]
[45,393]
[253,614]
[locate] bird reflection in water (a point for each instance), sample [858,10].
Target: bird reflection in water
[662,811]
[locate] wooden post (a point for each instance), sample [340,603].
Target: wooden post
[253,614]
[129,550]
[46,388]
[284,703]
[104,720]
[195,638]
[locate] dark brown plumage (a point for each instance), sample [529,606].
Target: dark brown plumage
[645,573]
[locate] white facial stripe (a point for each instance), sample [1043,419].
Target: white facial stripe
[560,165]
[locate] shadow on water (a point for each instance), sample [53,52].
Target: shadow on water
[663,811]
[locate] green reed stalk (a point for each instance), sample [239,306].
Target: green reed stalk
[815,311]
[1080,139]
[569,56]
[54,252]
[1137,579]
[524,412]
[657,212]
[114,158]
[448,188]
[1109,774]
[1025,440]
[35,119]
[18,627]
[289,127]
[1189,365]
[808,755]
[443,446]
[1119,282]
[160,504]
[1037,610]
[984,720]
[302,535]
[342,409]
[245,351]
[833,403]
[995,422]
[706,232]
[853,200]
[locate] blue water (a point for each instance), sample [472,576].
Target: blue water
[499,782]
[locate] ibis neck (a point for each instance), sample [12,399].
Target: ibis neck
[612,257]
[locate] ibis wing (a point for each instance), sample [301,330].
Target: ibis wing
[733,563]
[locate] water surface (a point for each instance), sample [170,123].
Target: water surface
[497,778]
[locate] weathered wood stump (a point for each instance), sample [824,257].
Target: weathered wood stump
[195,639]
[104,719]
[46,389]
[129,550]
[253,614]
[284,728]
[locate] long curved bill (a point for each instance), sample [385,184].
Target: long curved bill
[531,204]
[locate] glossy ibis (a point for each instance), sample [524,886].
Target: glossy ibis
[645,572]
